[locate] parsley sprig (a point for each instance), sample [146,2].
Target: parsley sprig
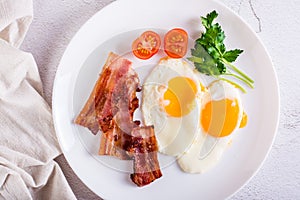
[211,57]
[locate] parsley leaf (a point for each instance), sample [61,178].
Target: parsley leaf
[232,55]
[210,56]
[209,19]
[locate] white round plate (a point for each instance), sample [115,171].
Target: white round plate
[113,29]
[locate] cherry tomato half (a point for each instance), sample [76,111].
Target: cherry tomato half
[145,46]
[176,42]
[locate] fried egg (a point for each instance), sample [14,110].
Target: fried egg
[171,103]
[221,114]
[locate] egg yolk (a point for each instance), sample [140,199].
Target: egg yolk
[244,120]
[180,96]
[219,118]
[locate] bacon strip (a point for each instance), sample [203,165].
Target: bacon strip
[144,148]
[123,104]
[98,108]
[110,108]
[88,117]
[114,90]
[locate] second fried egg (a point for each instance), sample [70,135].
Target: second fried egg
[221,114]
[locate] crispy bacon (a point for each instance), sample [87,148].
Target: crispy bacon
[116,141]
[101,105]
[123,104]
[115,90]
[112,143]
[110,108]
[144,150]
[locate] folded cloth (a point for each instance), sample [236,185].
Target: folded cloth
[28,143]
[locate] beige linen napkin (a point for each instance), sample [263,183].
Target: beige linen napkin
[27,143]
